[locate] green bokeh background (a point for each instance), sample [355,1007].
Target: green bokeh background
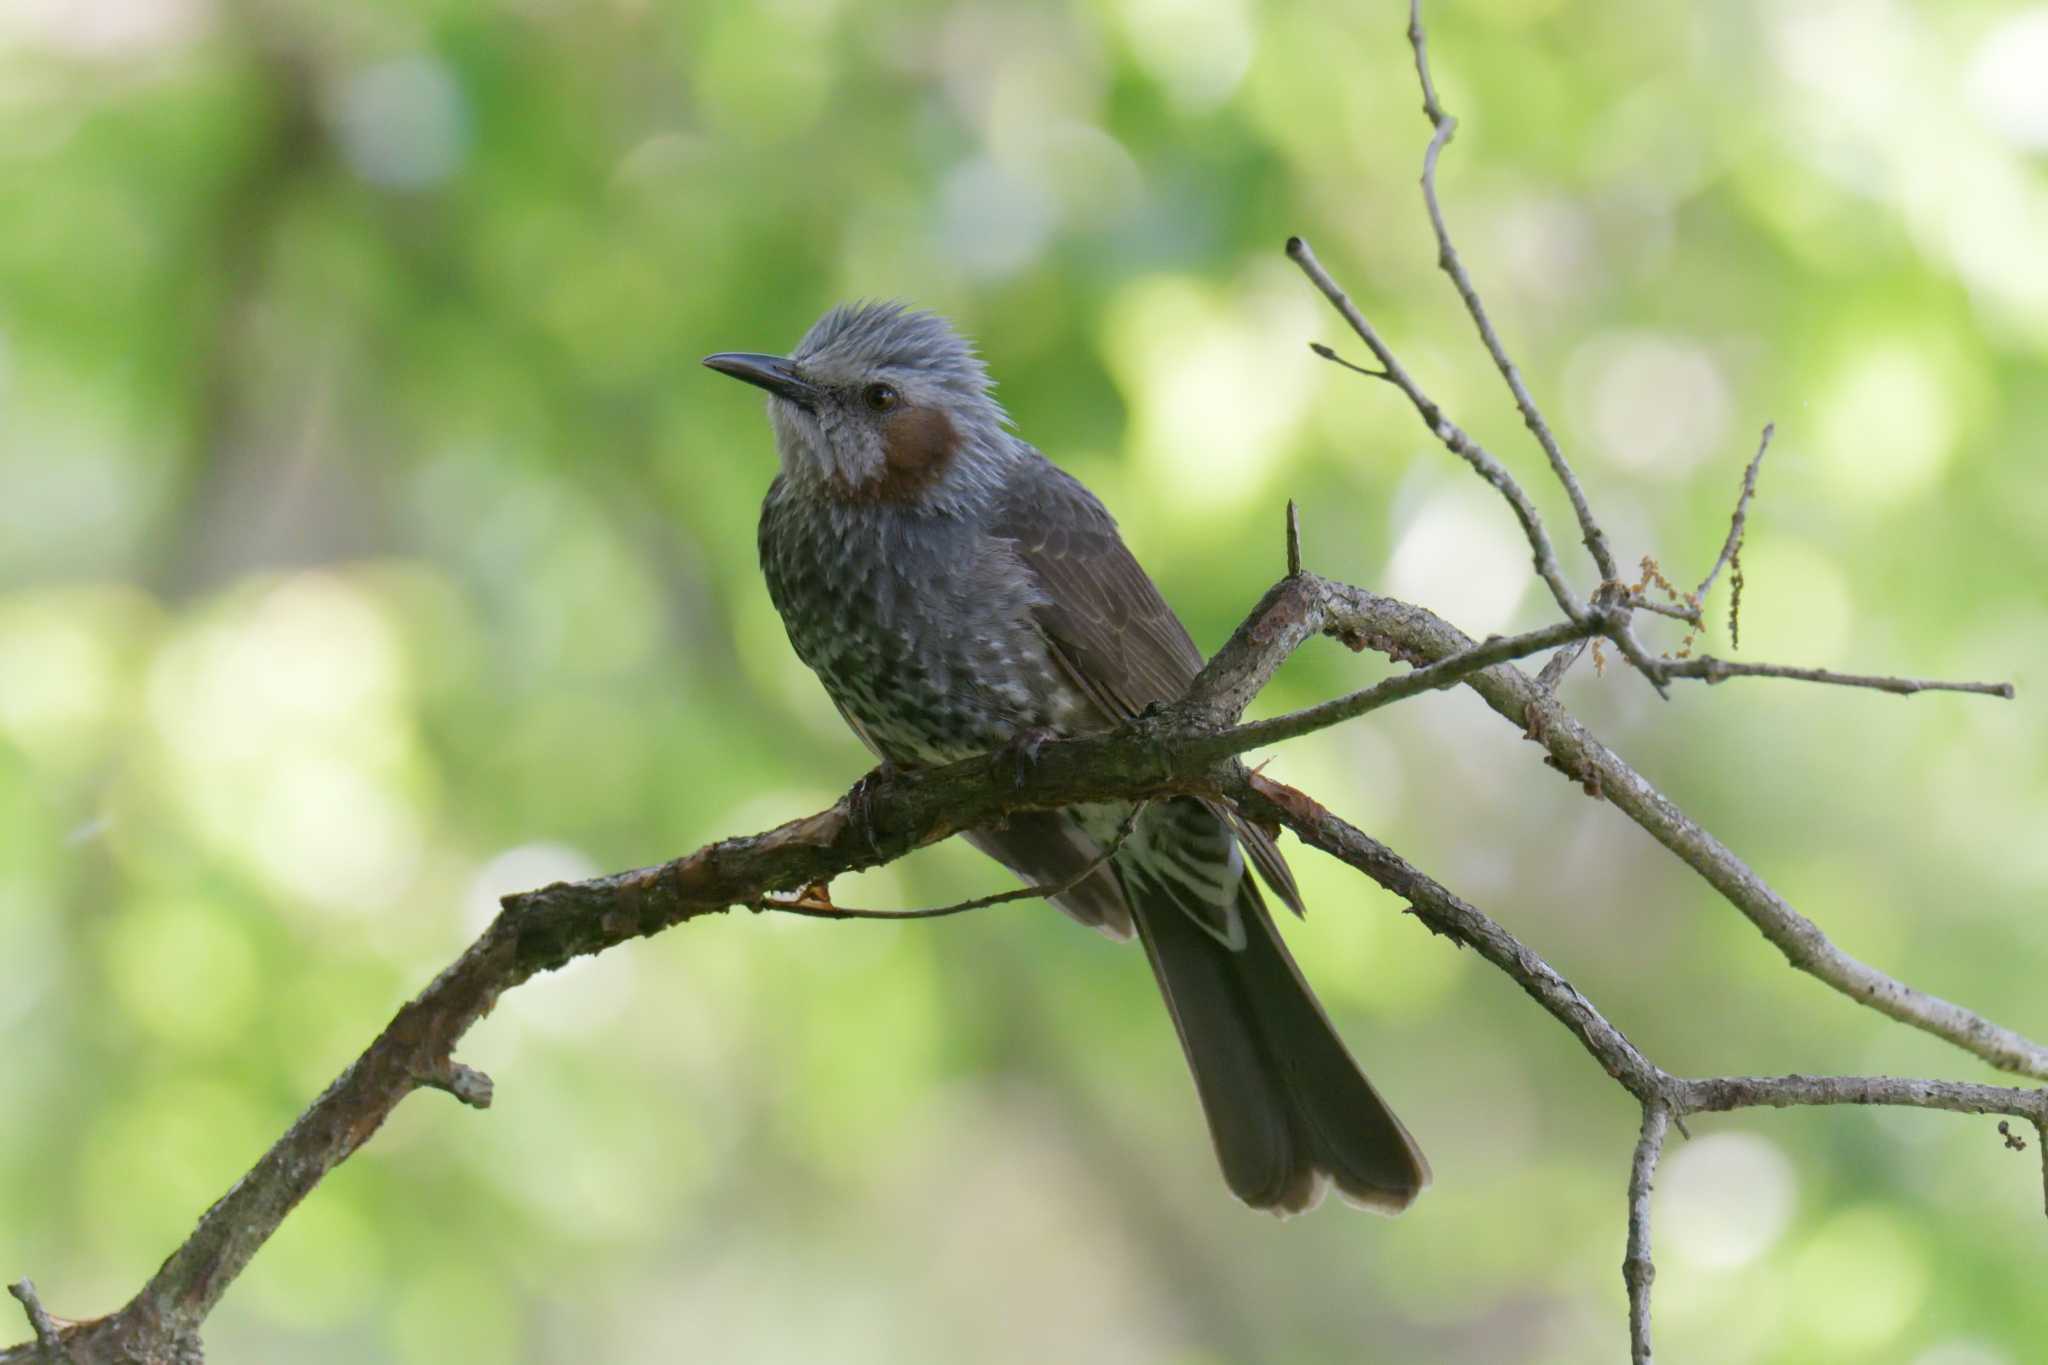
[371,544]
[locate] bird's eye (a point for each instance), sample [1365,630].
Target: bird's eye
[881,397]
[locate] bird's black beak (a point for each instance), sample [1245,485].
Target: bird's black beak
[770,372]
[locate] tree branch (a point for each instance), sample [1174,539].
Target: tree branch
[1187,748]
[1957,1097]
[1445,913]
[1445,672]
[1418,635]
[1601,774]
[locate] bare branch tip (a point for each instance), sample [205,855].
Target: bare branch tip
[39,1319]
[1293,540]
[1331,355]
[465,1083]
[1560,664]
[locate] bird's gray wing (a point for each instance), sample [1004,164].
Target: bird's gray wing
[1109,630]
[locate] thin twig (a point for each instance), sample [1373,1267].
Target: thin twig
[1638,1270]
[1326,353]
[1445,672]
[1293,540]
[1611,622]
[1443,428]
[1615,625]
[1738,523]
[1443,126]
[1444,912]
[1560,664]
[1677,611]
[1051,891]
[1714,670]
[1716,1094]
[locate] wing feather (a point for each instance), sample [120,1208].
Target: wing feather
[1108,628]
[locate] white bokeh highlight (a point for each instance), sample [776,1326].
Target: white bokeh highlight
[585,993]
[402,124]
[1656,404]
[2007,82]
[1725,1200]
[1456,554]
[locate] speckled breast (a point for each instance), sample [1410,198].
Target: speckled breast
[919,627]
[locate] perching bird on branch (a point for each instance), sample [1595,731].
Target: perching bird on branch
[957,592]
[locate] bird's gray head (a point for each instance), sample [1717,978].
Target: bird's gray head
[880,403]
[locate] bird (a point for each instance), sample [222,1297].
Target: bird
[957,593]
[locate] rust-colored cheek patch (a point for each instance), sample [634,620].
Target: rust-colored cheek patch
[917,445]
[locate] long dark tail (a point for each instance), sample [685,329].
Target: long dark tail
[1289,1110]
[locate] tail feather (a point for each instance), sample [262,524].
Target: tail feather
[1289,1110]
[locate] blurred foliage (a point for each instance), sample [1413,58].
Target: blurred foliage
[371,544]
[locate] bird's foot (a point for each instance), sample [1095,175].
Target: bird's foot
[860,804]
[1024,746]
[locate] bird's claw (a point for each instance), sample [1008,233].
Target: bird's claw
[1025,745]
[860,804]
